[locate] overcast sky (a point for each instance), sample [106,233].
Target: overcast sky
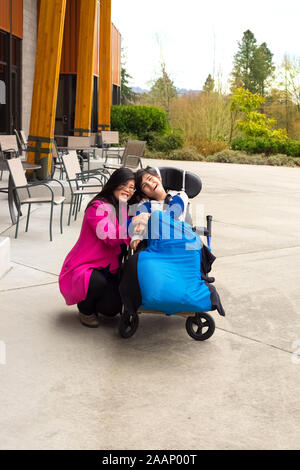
[196,37]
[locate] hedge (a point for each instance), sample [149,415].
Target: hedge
[138,120]
[267,146]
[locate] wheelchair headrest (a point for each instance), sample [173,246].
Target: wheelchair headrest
[178,180]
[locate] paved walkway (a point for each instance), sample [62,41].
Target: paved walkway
[68,387]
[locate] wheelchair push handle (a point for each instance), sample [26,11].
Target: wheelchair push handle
[209,222]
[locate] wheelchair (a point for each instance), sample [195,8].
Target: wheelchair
[199,325]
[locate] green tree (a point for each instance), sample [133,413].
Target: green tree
[163,90]
[261,69]
[243,61]
[252,65]
[128,96]
[254,123]
[209,84]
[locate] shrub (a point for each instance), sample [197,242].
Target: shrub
[221,158]
[206,147]
[280,160]
[124,136]
[138,120]
[189,154]
[267,145]
[166,143]
[226,156]
[232,156]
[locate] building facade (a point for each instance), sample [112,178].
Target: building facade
[18,38]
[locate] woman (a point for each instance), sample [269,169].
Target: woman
[150,196]
[89,276]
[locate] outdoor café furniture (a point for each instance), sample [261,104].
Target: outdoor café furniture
[133,148]
[81,144]
[77,181]
[12,200]
[8,148]
[22,188]
[21,138]
[132,162]
[9,145]
[57,163]
[109,138]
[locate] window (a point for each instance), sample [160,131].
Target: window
[10,83]
[3,81]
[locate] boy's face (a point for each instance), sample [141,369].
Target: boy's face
[152,187]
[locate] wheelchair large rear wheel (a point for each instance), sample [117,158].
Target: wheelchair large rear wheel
[128,325]
[201,326]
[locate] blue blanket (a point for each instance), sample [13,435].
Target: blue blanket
[168,269]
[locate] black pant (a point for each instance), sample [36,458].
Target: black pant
[102,296]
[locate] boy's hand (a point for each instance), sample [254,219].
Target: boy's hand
[134,244]
[141,218]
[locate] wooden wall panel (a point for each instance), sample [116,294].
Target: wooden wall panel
[12,9]
[85,67]
[17,18]
[105,66]
[70,41]
[5,15]
[96,52]
[116,55]
[118,79]
[44,97]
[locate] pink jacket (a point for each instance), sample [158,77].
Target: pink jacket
[97,247]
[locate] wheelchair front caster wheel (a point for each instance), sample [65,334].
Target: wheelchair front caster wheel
[201,326]
[128,325]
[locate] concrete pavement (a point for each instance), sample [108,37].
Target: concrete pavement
[64,386]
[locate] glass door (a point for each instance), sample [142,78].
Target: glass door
[65,108]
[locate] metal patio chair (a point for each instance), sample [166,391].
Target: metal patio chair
[23,196]
[83,145]
[78,184]
[108,139]
[133,148]
[22,141]
[57,163]
[8,148]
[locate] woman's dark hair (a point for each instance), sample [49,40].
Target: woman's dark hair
[138,182]
[120,176]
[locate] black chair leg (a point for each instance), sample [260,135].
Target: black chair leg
[50,227]
[61,217]
[17,224]
[28,215]
[70,210]
[80,203]
[76,206]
